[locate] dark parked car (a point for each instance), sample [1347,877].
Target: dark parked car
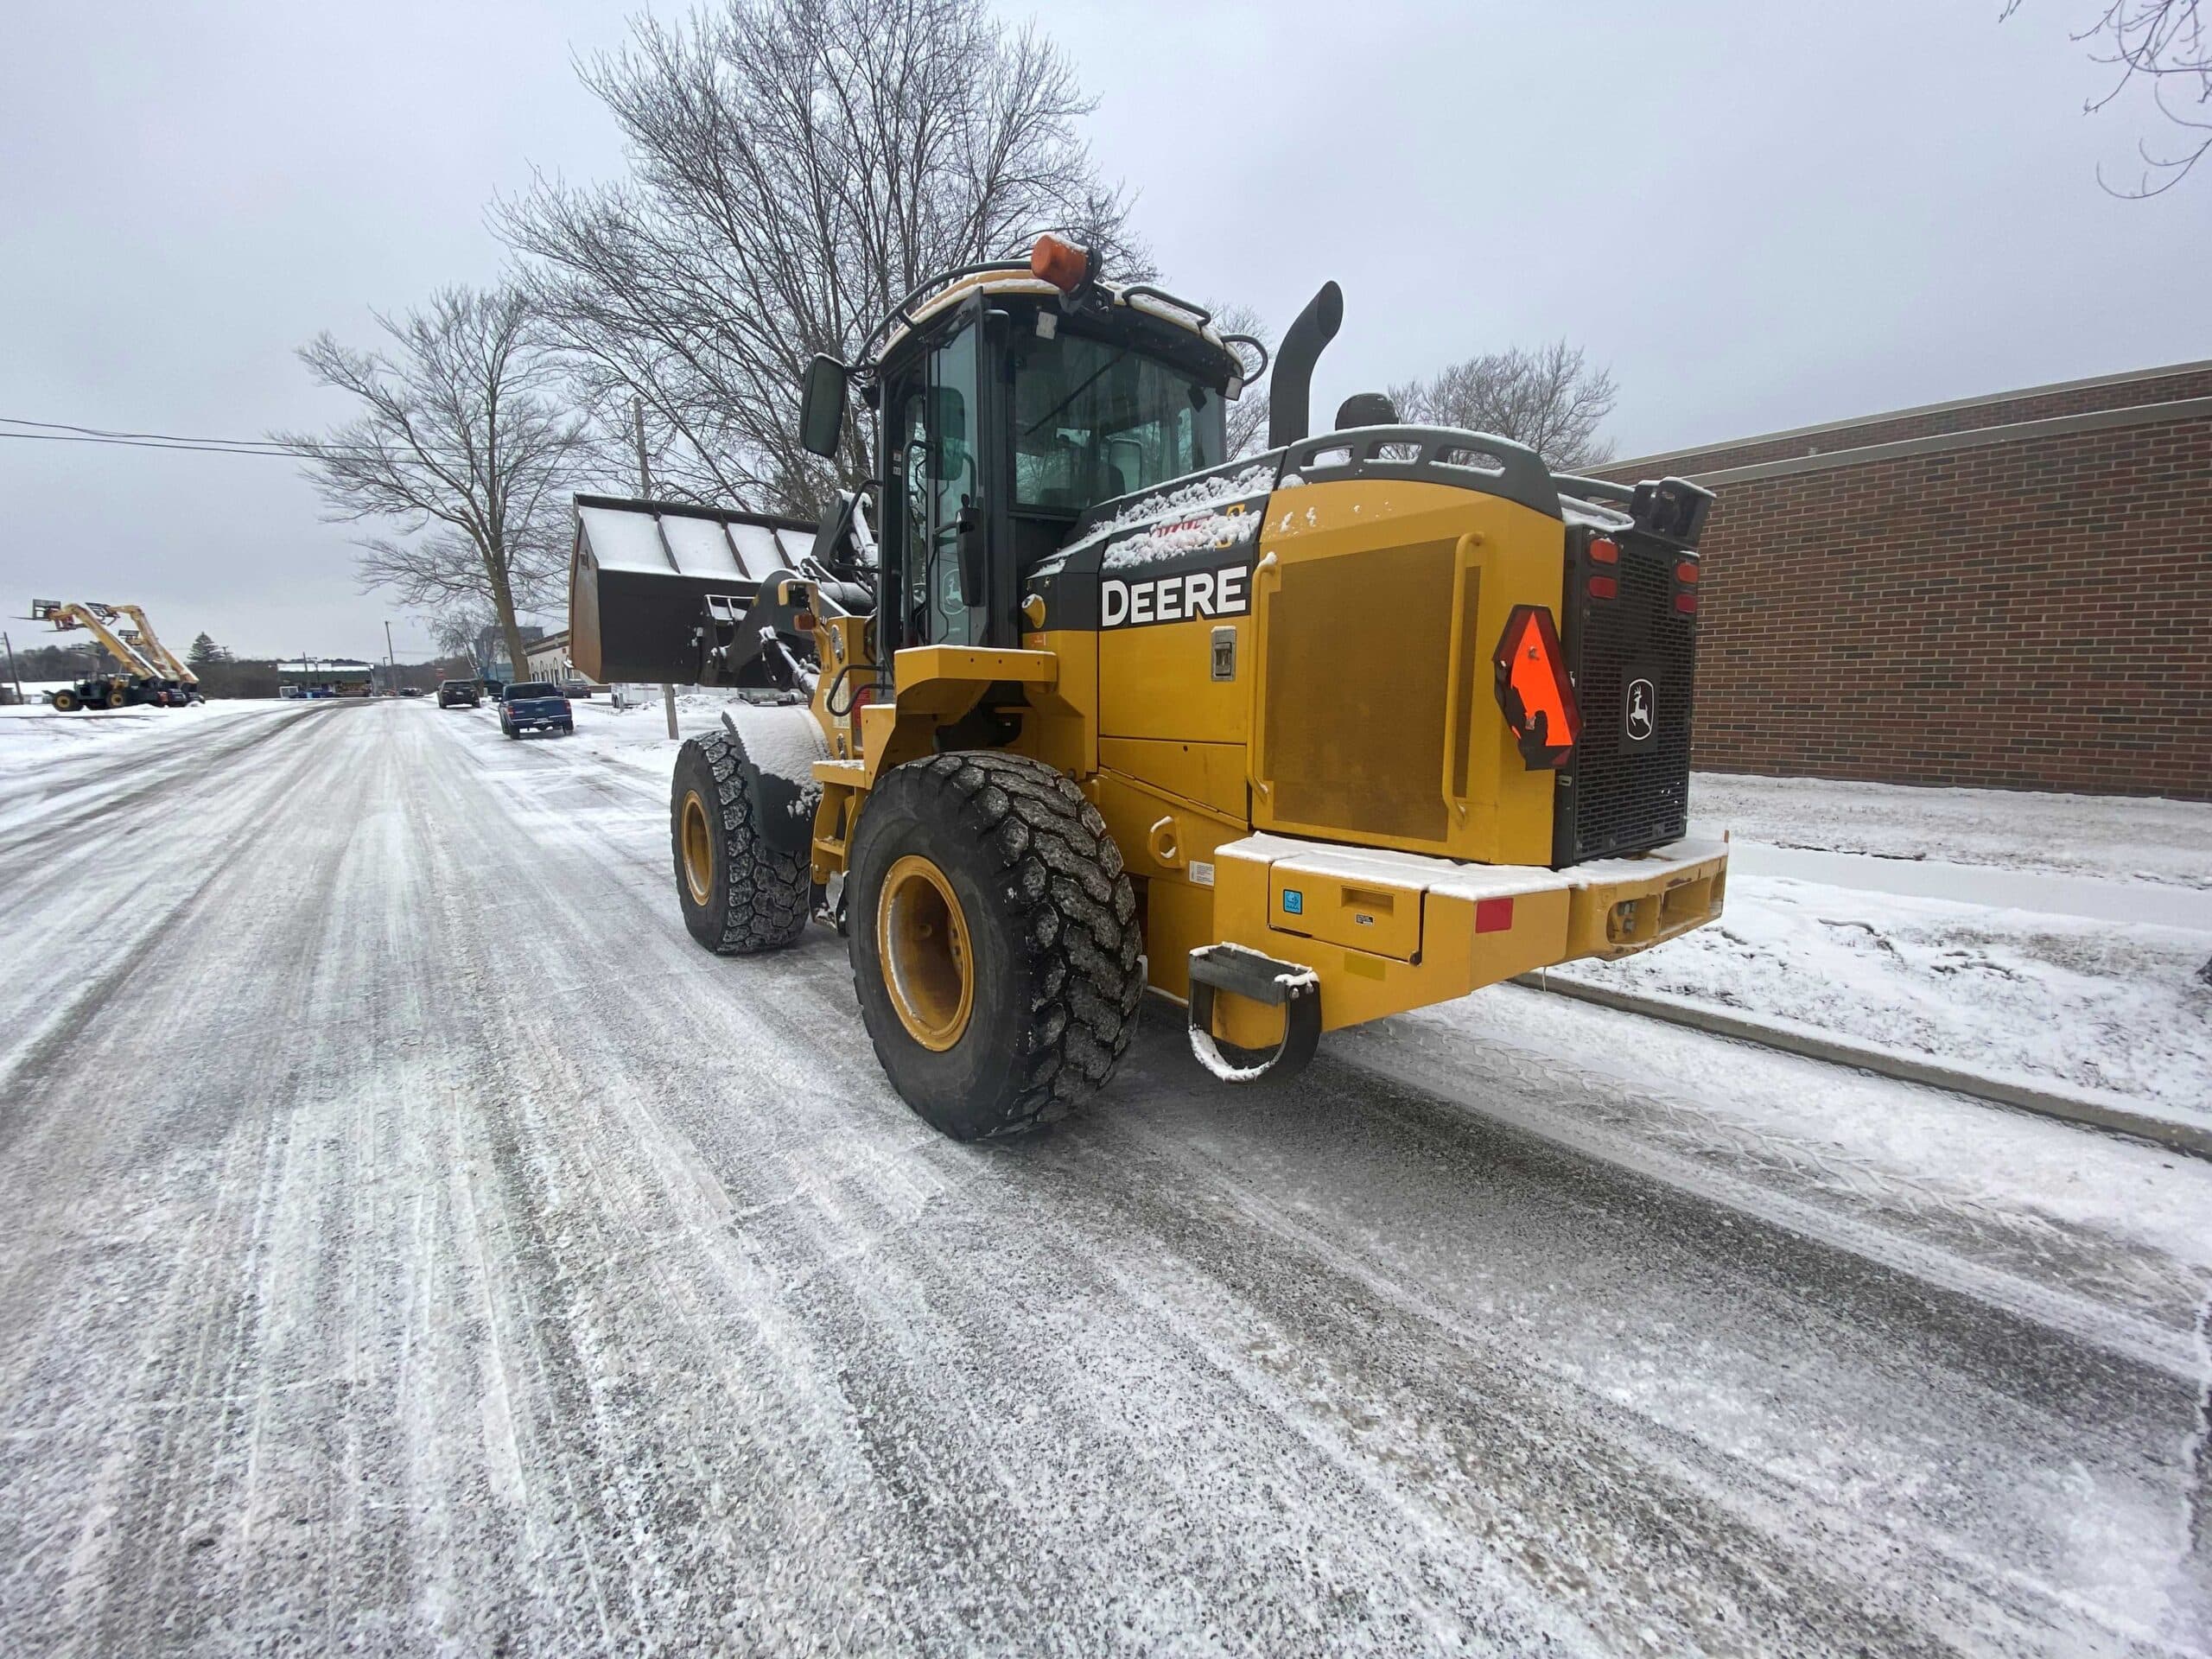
[535,706]
[459,694]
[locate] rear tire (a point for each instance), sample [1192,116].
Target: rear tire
[741,895]
[1016,961]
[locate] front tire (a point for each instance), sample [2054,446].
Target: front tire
[995,942]
[67,702]
[740,893]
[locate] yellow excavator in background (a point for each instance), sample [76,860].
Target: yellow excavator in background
[1079,704]
[151,672]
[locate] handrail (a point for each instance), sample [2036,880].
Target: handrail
[1463,577]
[1267,577]
[1520,475]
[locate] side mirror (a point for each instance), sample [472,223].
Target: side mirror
[822,407]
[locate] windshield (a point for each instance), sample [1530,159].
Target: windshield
[1092,420]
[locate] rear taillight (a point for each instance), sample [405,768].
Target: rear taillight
[1604,587]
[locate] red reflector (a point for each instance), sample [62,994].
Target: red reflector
[803,621]
[1604,550]
[1686,602]
[1532,689]
[1493,915]
[1604,588]
[1686,572]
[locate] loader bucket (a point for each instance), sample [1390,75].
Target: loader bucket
[643,576]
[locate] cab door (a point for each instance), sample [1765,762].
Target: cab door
[936,464]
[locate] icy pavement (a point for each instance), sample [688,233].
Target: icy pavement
[416,1244]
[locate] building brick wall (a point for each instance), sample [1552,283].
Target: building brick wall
[2026,615]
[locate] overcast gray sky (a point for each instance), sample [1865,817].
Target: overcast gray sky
[1756,215]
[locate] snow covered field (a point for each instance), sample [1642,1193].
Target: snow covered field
[416,1244]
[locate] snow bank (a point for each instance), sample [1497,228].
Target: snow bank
[2114,837]
[2047,939]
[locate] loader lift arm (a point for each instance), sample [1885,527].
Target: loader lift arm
[151,648]
[67,616]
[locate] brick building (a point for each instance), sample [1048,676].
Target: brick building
[2011,592]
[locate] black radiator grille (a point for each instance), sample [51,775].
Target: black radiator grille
[1617,795]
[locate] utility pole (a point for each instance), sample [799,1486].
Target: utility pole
[18,678]
[646,494]
[391,667]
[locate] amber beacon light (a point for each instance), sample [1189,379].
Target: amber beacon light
[1063,264]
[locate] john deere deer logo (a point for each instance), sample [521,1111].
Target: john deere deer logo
[1642,713]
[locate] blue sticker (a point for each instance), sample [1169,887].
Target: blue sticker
[1293,902]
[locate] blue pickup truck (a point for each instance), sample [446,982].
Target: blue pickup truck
[535,706]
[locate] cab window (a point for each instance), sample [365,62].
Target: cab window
[1092,420]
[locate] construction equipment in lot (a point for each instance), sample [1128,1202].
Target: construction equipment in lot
[151,673]
[1073,703]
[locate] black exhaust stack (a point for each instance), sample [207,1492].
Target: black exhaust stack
[1302,344]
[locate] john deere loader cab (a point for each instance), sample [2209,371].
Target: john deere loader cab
[1073,704]
[1007,415]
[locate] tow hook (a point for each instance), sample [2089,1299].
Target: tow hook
[1296,990]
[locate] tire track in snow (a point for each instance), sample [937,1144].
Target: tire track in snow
[518,1276]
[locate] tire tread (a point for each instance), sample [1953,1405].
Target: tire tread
[1074,917]
[769,894]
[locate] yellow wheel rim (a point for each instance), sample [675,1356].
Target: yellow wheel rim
[921,933]
[698,850]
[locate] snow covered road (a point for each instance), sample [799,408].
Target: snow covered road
[414,1244]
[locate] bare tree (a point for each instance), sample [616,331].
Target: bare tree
[2163,42]
[462,443]
[795,167]
[455,626]
[1548,399]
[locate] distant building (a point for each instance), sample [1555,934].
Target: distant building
[548,660]
[324,677]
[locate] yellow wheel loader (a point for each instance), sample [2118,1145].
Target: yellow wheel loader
[1068,703]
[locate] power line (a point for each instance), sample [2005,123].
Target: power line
[140,444]
[67,432]
[161,437]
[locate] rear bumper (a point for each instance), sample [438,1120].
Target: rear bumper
[1386,931]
